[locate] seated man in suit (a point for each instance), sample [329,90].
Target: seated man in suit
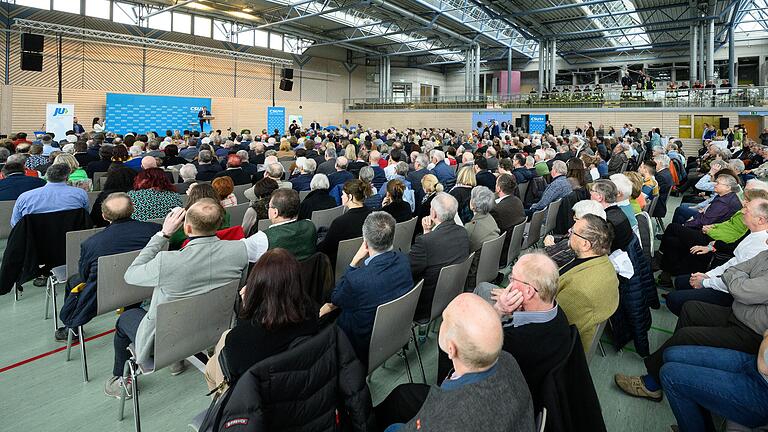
[207,168]
[589,288]
[483,175]
[419,171]
[123,234]
[443,243]
[174,275]
[508,211]
[299,237]
[376,275]
[486,390]
[441,170]
[303,181]
[341,175]
[529,315]
[15,183]
[606,193]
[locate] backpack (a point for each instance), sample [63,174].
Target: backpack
[536,187]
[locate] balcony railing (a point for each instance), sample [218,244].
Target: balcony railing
[741,97]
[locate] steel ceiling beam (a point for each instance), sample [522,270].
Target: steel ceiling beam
[556,8]
[606,15]
[287,19]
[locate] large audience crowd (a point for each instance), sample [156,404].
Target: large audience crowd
[499,341]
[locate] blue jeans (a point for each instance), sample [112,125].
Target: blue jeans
[683,213]
[685,292]
[698,379]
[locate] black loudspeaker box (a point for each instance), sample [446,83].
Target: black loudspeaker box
[286,85]
[32,42]
[724,123]
[286,73]
[31,61]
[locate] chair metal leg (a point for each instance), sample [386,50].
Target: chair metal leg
[55,308]
[69,343]
[418,355]
[407,366]
[135,394]
[602,350]
[84,359]
[123,392]
[16,292]
[47,298]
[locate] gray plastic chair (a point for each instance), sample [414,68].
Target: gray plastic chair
[347,251]
[240,192]
[237,213]
[323,218]
[522,188]
[287,166]
[97,180]
[488,263]
[596,342]
[6,211]
[404,235]
[551,220]
[183,328]
[158,221]
[112,293]
[645,227]
[303,195]
[533,231]
[264,224]
[391,332]
[515,243]
[92,199]
[60,274]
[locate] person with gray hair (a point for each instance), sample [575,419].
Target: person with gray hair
[441,170]
[245,164]
[207,168]
[341,175]
[481,228]
[420,169]
[318,198]
[624,193]
[329,166]
[605,193]
[55,196]
[559,188]
[617,160]
[443,243]
[302,181]
[188,174]
[15,181]
[558,247]
[376,275]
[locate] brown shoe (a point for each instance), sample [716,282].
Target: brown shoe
[634,386]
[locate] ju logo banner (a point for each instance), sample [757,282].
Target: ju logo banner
[59,119]
[275,119]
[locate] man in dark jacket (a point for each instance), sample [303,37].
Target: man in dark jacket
[483,376]
[341,175]
[443,243]
[101,165]
[521,173]
[605,193]
[206,167]
[376,275]
[15,182]
[418,173]
[483,176]
[508,211]
[122,235]
[664,179]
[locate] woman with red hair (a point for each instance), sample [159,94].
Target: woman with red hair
[235,171]
[153,195]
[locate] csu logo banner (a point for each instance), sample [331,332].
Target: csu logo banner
[537,123]
[275,119]
[59,119]
[143,113]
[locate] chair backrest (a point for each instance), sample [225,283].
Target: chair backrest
[404,235]
[488,264]
[303,195]
[240,192]
[264,224]
[522,188]
[92,199]
[184,199]
[174,174]
[237,213]
[541,420]
[73,241]
[112,290]
[534,229]
[187,326]
[102,181]
[391,329]
[551,219]
[6,211]
[516,242]
[287,166]
[595,340]
[323,218]
[347,251]
[652,206]
[158,221]
[645,227]
[96,179]
[450,283]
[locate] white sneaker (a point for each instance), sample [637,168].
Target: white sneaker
[177,368]
[113,387]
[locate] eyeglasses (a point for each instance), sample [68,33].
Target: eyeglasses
[513,279]
[572,231]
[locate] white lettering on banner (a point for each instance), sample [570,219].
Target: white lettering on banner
[59,119]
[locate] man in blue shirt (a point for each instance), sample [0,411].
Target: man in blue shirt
[376,275]
[55,196]
[15,182]
[442,171]
[559,188]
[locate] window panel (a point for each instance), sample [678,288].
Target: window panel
[245,38]
[123,13]
[161,21]
[71,6]
[261,38]
[182,23]
[40,4]
[202,26]
[276,41]
[221,30]
[97,8]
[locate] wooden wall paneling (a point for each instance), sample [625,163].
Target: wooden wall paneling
[169,73]
[88,104]
[250,114]
[214,77]
[72,62]
[314,85]
[112,68]
[29,107]
[6,111]
[46,78]
[254,80]
[223,108]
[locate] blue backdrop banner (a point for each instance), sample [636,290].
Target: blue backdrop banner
[275,119]
[486,117]
[537,123]
[143,113]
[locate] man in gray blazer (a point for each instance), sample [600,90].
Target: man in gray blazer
[204,264]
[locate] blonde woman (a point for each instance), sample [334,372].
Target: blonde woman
[431,187]
[77,177]
[465,181]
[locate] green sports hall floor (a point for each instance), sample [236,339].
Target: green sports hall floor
[40,391]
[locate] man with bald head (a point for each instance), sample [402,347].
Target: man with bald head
[341,175]
[174,275]
[123,234]
[485,391]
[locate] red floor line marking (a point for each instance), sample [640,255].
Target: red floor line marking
[43,355]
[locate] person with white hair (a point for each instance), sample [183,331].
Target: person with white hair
[441,170]
[188,173]
[559,188]
[618,159]
[624,189]
[318,198]
[558,247]
[135,152]
[304,179]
